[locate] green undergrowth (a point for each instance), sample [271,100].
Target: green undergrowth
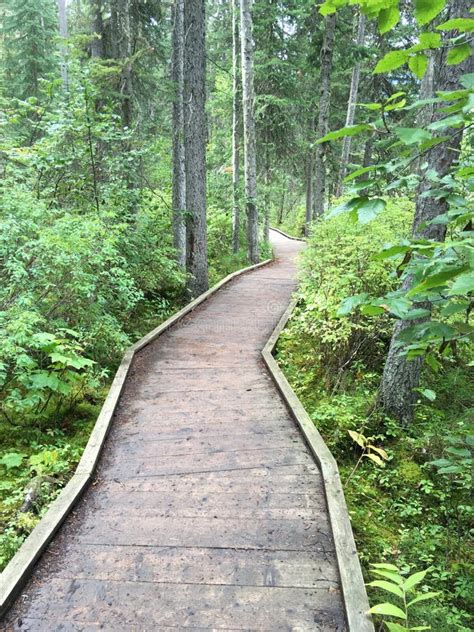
[414,509]
[75,294]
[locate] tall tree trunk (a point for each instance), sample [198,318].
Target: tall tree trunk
[62,12]
[195,136]
[309,191]
[401,376]
[124,53]
[236,96]
[250,163]
[97,27]
[179,172]
[266,210]
[351,104]
[323,116]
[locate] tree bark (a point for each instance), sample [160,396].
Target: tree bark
[323,116]
[401,376]
[97,42]
[236,96]
[62,13]
[351,104]
[179,170]
[122,43]
[195,136]
[250,162]
[309,191]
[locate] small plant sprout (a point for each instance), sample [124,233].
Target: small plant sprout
[405,589]
[372,452]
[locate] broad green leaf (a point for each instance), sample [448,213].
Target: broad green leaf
[368,208]
[359,172]
[415,579]
[436,280]
[388,609]
[418,65]
[350,303]
[412,135]
[394,627]
[358,438]
[430,39]
[376,459]
[380,451]
[372,310]
[388,18]
[392,60]
[458,54]
[389,574]
[464,25]
[350,130]
[12,459]
[392,251]
[429,394]
[463,284]
[467,81]
[387,586]
[386,566]
[423,597]
[427,10]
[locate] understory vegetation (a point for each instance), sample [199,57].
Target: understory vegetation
[410,505]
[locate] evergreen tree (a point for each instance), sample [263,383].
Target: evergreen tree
[30,28]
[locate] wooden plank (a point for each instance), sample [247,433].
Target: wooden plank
[147,606]
[231,567]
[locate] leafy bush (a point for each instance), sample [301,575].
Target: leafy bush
[340,262]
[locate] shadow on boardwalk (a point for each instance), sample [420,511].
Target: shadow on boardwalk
[207,510]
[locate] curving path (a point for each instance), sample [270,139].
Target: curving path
[207,511]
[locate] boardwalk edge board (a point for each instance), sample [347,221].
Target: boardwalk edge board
[354,594]
[277,230]
[21,565]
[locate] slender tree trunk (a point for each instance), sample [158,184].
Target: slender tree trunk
[309,191]
[401,376]
[62,12]
[323,116]
[266,213]
[195,136]
[97,42]
[351,105]
[179,171]
[250,163]
[236,96]
[124,52]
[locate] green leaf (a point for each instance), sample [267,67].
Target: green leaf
[415,579]
[418,65]
[350,130]
[392,60]
[429,394]
[376,459]
[412,135]
[12,459]
[388,18]
[467,81]
[463,284]
[436,280]
[358,438]
[350,303]
[372,310]
[388,609]
[423,597]
[427,10]
[458,54]
[394,627]
[465,25]
[388,574]
[386,566]
[368,209]
[359,172]
[430,39]
[387,586]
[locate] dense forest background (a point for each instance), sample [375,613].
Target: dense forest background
[147,146]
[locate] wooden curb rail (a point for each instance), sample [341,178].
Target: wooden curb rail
[21,565]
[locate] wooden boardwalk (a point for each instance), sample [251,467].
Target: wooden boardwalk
[207,511]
